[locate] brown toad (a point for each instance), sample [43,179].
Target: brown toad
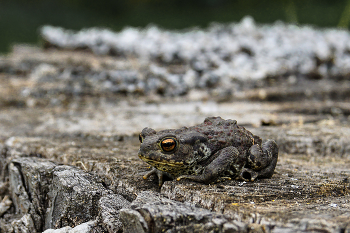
[206,152]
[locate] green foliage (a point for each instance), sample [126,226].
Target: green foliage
[345,17]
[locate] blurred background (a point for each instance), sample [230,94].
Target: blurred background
[20,19]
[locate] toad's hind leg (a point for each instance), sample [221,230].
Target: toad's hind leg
[262,161]
[226,159]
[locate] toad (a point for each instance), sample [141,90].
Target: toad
[214,150]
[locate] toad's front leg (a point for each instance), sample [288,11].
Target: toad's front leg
[226,159]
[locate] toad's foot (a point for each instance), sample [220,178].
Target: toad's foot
[160,175]
[248,174]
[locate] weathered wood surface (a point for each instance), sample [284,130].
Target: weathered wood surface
[72,165]
[55,196]
[150,212]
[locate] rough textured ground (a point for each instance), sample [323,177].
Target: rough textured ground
[69,162]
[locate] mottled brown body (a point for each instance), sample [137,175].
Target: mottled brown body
[207,152]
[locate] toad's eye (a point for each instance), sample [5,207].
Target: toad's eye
[168,144]
[140,138]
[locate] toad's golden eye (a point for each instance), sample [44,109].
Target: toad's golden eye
[168,144]
[140,138]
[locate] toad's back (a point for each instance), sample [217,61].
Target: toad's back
[223,133]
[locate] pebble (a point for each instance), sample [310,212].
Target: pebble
[220,57]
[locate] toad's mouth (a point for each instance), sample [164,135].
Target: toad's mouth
[158,162]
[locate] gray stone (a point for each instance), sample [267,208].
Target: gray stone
[133,221]
[109,207]
[87,227]
[61,196]
[19,195]
[30,183]
[5,204]
[73,197]
[24,225]
[156,213]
